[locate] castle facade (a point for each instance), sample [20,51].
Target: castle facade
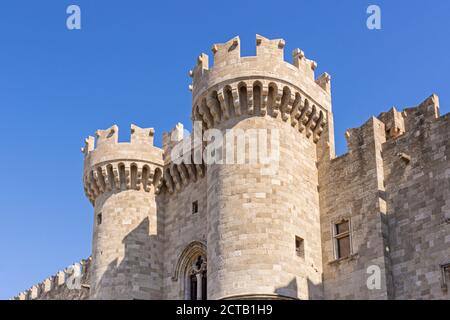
[373,223]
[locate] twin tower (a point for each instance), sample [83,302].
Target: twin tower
[166,229]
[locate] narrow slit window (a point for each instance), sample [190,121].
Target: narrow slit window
[445,276]
[99,218]
[194,207]
[300,247]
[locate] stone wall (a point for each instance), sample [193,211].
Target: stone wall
[351,188]
[417,178]
[182,227]
[394,186]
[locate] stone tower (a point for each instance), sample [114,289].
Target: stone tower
[263,229]
[120,181]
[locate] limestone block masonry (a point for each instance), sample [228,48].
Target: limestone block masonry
[373,223]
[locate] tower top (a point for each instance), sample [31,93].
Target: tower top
[111,165]
[268,63]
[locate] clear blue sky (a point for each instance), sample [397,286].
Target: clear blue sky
[129,64]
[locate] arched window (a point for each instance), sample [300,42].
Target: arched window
[197,279]
[191,272]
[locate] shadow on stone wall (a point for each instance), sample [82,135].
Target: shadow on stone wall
[136,276]
[314,291]
[127,279]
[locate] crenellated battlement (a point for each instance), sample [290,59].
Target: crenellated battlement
[397,123]
[171,139]
[74,279]
[108,138]
[111,165]
[270,50]
[262,85]
[183,161]
[268,63]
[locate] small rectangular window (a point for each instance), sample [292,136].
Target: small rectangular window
[342,243]
[99,218]
[194,207]
[300,247]
[445,269]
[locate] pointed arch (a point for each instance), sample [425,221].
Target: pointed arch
[191,272]
[189,253]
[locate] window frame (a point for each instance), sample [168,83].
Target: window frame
[338,236]
[191,277]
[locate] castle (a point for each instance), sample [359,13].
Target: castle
[370,224]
